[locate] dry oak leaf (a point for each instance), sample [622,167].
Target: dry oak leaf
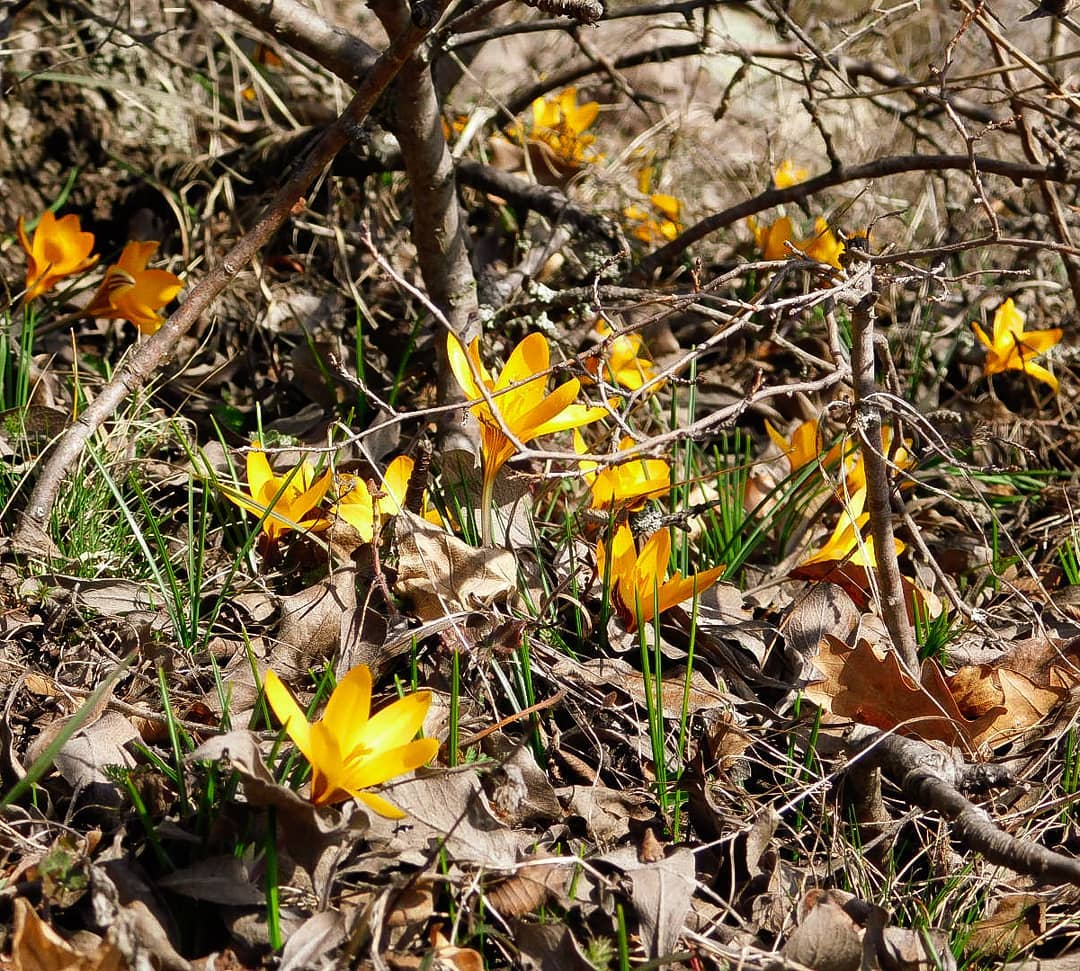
[868,685]
[982,688]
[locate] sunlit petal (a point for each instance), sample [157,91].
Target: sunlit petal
[289,713]
[460,360]
[349,706]
[380,806]
[397,723]
[390,763]
[395,485]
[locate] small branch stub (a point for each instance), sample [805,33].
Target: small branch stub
[583,11]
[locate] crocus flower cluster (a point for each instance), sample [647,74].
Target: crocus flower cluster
[130,291]
[625,484]
[659,223]
[773,238]
[294,500]
[519,403]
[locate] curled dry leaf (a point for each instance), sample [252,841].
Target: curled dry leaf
[37,947]
[979,705]
[868,685]
[530,888]
[926,949]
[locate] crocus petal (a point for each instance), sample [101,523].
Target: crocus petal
[259,475]
[380,806]
[390,764]
[531,357]
[289,713]
[397,723]
[310,498]
[678,589]
[59,249]
[357,509]
[347,711]
[982,335]
[460,360]
[395,484]
[566,417]
[136,254]
[1039,373]
[1032,342]
[328,770]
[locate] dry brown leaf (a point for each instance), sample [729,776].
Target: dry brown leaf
[1017,920]
[442,574]
[662,891]
[309,944]
[461,958]
[869,686]
[414,904]
[448,807]
[853,581]
[607,812]
[548,167]
[926,949]
[1045,661]
[217,879]
[109,596]
[37,947]
[85,757]
[310,630]
[981,688]
[830,932]
[531,887]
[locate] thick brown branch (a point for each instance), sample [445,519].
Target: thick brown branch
[306,31]
[930,780]
[438,231]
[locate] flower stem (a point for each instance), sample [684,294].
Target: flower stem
[487,494]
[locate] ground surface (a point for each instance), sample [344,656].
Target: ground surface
[738,782]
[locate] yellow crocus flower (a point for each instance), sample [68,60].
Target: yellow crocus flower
[520,399]
[59,249]
[1012,348]
[350,749]
[560,123]
[132,292]
[285,501]
[846,545]
[627,484]
[637,582]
